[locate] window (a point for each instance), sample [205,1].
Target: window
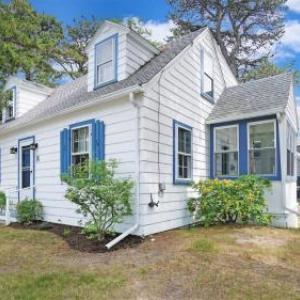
[207,75]
[10,107]
[290,145]
[262,148]
[226,151]
[80,146]
[183,152]
[105,56]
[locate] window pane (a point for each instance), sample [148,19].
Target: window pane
[105,72]
[26,157]
[25,178]
[226,164]
[104,52]
[262,135]
[262,161]
[79,160]
[80,140]
[184,166]
[184,141]
[208,85]
[226,139]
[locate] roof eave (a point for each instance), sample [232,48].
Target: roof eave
[99,100]
[245,116]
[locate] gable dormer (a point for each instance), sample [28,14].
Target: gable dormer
[24,95]
[114,53]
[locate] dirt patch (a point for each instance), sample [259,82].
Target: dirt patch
[78,241]
[260,240]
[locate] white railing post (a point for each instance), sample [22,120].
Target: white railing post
[7,213]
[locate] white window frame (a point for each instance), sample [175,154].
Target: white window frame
[293,151]
[177,178]
[237,150]
[113,40]
[13,100]
[275,144]
[204,73]
[89,142]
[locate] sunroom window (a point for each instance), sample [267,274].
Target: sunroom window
[105,53]
[80,146]
[262,148]
[226,151]
[183,153]
[291,136]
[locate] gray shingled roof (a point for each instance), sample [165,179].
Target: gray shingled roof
[75,92]
[261,95]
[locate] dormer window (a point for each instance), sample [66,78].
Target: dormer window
[10,109]
[106,61]
[207,81]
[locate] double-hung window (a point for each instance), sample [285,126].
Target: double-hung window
[10,108]
[290,145]
[105,61]
[80,146]
[226,151]
[207,75]
[183,153]
[262,147]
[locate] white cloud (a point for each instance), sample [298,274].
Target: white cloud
[160,30]
[291,38]
[294,5]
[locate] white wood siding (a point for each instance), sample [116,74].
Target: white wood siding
[178,91]
[119,122]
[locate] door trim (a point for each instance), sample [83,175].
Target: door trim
[33,164]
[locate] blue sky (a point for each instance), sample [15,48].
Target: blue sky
[155,15]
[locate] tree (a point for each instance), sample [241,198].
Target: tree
[29,41]
[244,30]
[72,57]
[267,68]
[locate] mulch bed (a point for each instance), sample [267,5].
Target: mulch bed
[78,241]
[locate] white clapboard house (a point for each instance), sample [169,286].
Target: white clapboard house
[168,116]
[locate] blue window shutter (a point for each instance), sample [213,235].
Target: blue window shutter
[98,140]
[65,151]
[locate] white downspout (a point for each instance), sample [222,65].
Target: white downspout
[137,176]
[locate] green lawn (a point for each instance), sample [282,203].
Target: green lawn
[216,263]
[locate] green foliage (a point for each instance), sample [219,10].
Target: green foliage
[267,68]
[2,200]
[66,231]
[100,196]
[29,42]
[29,210]
[231,201]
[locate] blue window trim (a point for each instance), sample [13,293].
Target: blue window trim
[33,164]
[116,39]
[204,95]
[243,147]
[180,181]
[14,89]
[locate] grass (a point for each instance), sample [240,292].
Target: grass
[222,262]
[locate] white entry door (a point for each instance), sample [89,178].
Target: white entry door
[26,169]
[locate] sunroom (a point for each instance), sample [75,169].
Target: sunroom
[253,129]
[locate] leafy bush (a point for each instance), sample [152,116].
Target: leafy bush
[2,200]
[231,201]
[29,210]
[100,196]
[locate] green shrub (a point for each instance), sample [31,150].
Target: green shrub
[2,200]
[100,196]
[231,201]
[29,210]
